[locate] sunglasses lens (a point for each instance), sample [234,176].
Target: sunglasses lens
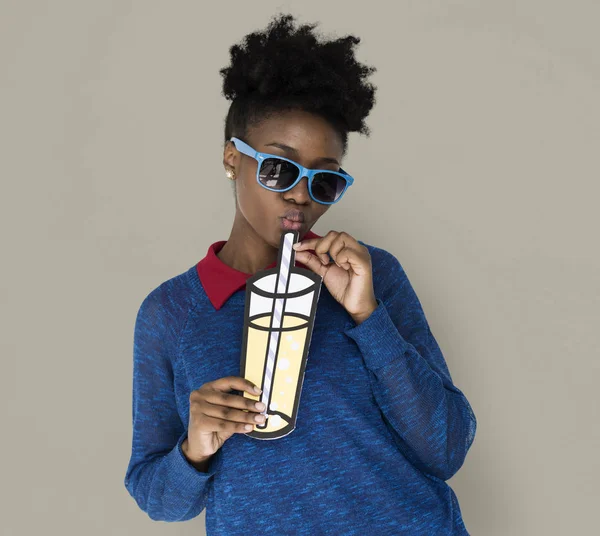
[327,187]
[280,174]
[277,174]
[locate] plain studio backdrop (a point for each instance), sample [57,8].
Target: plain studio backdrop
[481,175]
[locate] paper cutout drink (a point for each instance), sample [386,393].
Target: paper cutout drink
[279,317]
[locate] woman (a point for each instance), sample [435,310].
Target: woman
[380,426]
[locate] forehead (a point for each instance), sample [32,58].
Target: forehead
[307,132]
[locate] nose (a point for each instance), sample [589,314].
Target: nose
[299,193]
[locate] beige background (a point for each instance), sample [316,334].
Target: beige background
[485,140]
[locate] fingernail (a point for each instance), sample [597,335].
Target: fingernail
[296,245]
[257,389]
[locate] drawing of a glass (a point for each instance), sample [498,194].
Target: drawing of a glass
[279,318]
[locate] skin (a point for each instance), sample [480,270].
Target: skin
[254,239]
[255,236]
[216,414]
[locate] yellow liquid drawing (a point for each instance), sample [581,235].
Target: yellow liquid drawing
[286,374]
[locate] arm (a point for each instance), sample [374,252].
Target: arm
[161,479]
[430,418]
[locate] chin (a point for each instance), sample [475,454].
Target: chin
[279,233]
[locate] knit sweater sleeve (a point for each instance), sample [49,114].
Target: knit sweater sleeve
[159,477]
[430,419]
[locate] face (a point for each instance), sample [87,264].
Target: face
[300,136]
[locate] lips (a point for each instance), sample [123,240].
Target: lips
[294,215]
[287,224]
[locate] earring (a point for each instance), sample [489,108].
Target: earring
[230,174]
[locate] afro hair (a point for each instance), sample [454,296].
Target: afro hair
[284,67]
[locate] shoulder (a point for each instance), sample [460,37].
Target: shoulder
[392,284]
[167,305]
[380,255]
[386,265]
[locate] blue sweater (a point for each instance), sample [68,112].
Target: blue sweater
[379,429]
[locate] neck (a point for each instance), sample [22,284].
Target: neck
[245,250]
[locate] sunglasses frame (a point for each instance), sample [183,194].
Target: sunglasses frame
[244,148]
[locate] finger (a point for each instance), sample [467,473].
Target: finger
[311,261]
[339,244]
[237,383]
[318,244]
[344,239]
[311,244]
[231,414]
[352,259]
[233,401]
[323,245]
[214,424]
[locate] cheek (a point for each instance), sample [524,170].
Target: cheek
[247,192]
[255,203]
[324,209]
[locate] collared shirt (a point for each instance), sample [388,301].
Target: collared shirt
[220,280]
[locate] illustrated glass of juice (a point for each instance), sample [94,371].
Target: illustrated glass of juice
[279,318]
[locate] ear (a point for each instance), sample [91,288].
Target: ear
[230,156]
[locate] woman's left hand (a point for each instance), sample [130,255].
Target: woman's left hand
[349,278]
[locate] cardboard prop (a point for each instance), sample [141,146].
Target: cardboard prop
[281,305]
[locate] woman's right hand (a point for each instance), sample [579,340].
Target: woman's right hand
[216,414]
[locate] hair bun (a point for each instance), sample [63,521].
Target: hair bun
[283,63]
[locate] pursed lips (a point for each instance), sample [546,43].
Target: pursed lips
[294,215]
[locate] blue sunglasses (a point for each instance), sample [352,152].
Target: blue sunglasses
[280,174]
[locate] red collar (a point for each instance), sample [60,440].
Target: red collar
[220,280]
